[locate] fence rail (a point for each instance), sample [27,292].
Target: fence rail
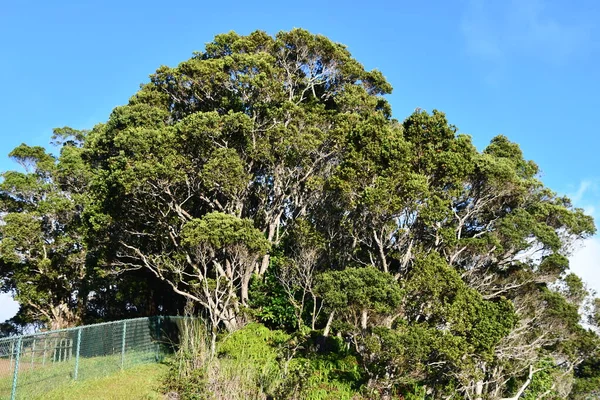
[32,365]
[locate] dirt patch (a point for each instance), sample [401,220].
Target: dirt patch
[6,367]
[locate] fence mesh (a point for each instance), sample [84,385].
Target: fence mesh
[32,365]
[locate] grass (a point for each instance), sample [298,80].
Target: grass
[140,382]
[40,380]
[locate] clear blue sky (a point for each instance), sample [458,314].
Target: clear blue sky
[524,68]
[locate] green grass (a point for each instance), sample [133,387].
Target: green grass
[140,382]
[40,380]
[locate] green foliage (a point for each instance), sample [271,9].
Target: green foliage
[354,291]
[416,393]
[255,343]
[451,302]
[265,178]
[331,372]
[225,173]
[587,377]
[42,240]
[270,302]
[543,381]
[221,230]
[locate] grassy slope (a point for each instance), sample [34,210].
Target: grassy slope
[36,380]
[141,382]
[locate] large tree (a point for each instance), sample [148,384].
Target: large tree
[250,128]
[266,133]
[500,230]
[442,266]
[42,244]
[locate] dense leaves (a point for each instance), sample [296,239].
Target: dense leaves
[265,178]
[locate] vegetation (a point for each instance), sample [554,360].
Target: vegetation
[56,380]
[140,382]
[331,250]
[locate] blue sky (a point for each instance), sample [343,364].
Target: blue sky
[524,68]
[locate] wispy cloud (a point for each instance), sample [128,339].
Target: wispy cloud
[584,186]
[585,260]
[503,32]
[587,196]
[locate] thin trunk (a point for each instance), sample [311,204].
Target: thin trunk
[213,342]
[523,388]
[479,385]
[229,321]
[314,313]
[328,325]
[264,265]
[244,287]
[381,252]
[478,390]
[273,229]
[363,319]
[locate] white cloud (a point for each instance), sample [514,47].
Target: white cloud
[8,307]
[590,210]
[587,196]
[585,262]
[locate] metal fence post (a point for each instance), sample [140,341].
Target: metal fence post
[77,353]
[13,394]
[12,353]
[123,344]
[45,348]
[157,356]
[32,353]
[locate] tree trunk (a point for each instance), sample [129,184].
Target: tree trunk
[244,287]
[313,319]
[62,317]
[479,384]
[522,388]
[213,341]
[264,265]
[363,319]
[328,325]
[478,390]
[229,320]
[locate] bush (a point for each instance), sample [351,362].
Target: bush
[257,363]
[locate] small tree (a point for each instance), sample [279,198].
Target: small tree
[297,273]
[213,266]
[359,296]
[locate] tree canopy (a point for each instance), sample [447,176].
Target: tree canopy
[266,175]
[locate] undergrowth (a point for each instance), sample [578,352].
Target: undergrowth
[257,363]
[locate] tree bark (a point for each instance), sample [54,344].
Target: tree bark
[522,388]
[328,325]
[264,265]
[363,319]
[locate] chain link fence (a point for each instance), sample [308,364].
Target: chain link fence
[31,365]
